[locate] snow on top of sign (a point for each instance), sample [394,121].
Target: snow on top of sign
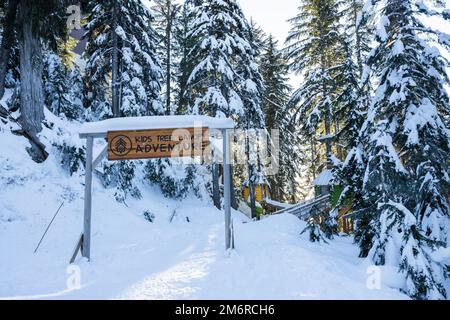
[155,122]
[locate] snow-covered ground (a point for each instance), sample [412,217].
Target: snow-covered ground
[135,259]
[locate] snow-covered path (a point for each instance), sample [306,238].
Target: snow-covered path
[270,262]
[135,259]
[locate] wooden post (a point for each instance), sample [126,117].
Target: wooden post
[88,200]
[215,181]
[227,188]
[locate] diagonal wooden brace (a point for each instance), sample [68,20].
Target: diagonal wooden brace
[78,247]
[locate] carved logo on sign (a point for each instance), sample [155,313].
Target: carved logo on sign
[121,145]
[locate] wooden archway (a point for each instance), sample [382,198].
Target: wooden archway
[128,128]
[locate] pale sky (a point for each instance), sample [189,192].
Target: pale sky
[271,15]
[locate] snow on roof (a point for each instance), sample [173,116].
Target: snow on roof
[154,122]
[324,179]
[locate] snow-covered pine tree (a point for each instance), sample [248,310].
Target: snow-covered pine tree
[351,111]
[358,30]
[313,230]
[258,40]
[313,49]
[406,180]
[217,27]
[12,77]
[55,83]
[121,175]
[352,78]
[225,80]
[63,84]
[251,86]
[74,109]
[187,63]
[167,21]
[353,103]
[274,70]
[175,180]
[122,42]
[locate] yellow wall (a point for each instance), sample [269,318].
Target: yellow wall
[245,193]
[259,193]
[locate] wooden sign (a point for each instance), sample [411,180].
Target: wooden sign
[160,143]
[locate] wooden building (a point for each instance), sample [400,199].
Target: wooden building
[261,192]
[324,185]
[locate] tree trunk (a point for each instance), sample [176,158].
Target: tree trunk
[358,40]
[168,53]
[251,187]
[182,79]
[7,42]
[327,125]
[325,93]
[340,152]
[115,66]
[234,204]
[31,94]
[120,87]
[215,181]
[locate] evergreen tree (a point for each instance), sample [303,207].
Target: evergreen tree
[167,18]
[314,50]
[358,31]
[258,40]
[175,180]
[55,83]
[353,103]
[187,63]
[274,70]
[121,175]
[216,86]
[121,60]
[314,231]
[407,144]
[225,80]
[122,42]
[74,109]
[353,98]
[63,84]
[251,88]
